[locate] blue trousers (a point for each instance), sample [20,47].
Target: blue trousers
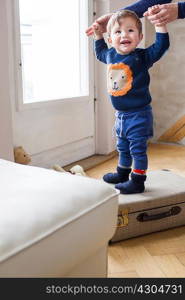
[133,129]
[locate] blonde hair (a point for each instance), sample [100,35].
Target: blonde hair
[115,18]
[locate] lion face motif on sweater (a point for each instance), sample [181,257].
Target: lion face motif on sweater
[119,79]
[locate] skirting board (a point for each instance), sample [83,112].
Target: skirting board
[65,154]
[92,161]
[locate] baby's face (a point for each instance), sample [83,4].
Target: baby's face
[125,36]
[117,79]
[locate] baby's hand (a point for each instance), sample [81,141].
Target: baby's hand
[152,10]
[96,28]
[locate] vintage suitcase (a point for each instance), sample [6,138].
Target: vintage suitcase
[160,207]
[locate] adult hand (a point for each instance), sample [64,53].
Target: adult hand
[166,13]
[102,21]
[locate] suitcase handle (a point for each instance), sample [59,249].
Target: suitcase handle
[144,217]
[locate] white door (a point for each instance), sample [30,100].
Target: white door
[54,96]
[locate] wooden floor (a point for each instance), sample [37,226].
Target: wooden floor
[159,254]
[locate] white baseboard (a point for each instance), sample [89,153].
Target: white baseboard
[65,154]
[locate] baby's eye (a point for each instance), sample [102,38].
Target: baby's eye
[130,30]
[118,32]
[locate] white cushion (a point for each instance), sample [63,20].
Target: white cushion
[35,202]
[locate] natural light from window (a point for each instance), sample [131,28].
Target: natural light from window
[54,49]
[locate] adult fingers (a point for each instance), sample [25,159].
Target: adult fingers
[146,14]
[160,21]
[152,10]
[161,14]
[89,31]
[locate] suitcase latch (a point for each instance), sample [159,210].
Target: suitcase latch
[123,218]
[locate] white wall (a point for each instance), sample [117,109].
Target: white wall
[104,111]
[6,138]
[167,79]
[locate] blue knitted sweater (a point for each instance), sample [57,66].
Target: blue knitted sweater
[128,77]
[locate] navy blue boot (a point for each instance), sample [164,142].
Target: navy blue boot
[133,186]
[122,175]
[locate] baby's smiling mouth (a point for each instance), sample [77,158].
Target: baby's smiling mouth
[125,42]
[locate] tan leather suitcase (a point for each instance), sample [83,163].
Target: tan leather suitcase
[160,207]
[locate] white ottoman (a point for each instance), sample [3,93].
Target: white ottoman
[54,224]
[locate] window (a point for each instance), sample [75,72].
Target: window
[54,49]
